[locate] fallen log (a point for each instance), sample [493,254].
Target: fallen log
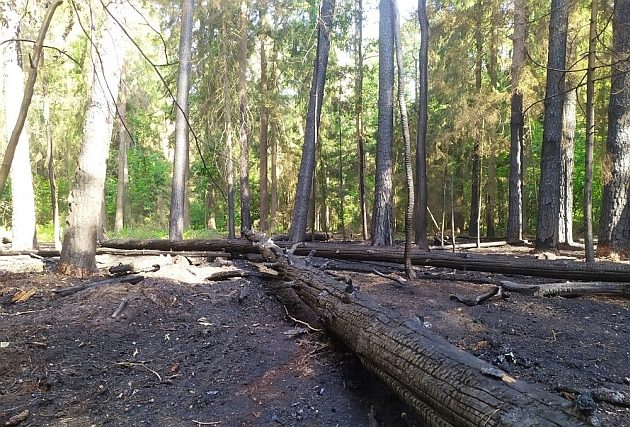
[559,269]
[20,264]
[444,385]
[568,288]
[317,236]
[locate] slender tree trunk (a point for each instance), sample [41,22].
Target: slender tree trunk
[22,195]
[50,166]
[264,125]
[402,106]
[227,129]
[491,191]
[475,182]
[307,164]
[180,162]
[515,204]
[358,90]
[614,235]
[274,178]
[11,19]
[550,165]
[341,195]
[246,221]
[382,218]
[567,149]
[590,136]
[421,143]
[123,170]
[78,254]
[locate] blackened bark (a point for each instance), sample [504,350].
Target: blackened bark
[307,164]
[180,162]
[382,217]
[515,204]
[615,218]
[421,143]
[407,141]
[550,166]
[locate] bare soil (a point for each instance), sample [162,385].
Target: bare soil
[228,354]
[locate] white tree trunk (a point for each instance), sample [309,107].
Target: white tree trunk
[78,256]
[23,199]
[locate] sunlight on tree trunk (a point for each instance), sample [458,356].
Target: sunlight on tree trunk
[180,162]
[359,131]
[123,172]
[78,255]
[246,221]
[227,127]
[550,166]
[382,217]
[264,123]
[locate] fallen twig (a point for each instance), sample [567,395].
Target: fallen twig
[301,322]
[390,277]
[121,307]
[126,279]
[601,394]
[131,364]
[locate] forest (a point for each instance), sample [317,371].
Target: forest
[324,165]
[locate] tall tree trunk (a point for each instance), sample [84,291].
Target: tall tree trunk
[491,188]
[550,165]
[264,124]
[358,93]
[382,217]
[567,145]
[491,191]
[246,220]
[341,193]
[475,181]
[50,166]
[22,195]
[11,20]
[227,127]
[123,170]
[421,143]
[78,254]
[614,235]
[402,106]
[590,136]
[515,203]
[180,162]
[316,97]
[273,141]
[567,149]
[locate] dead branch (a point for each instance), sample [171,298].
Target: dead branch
[480,299]
[121,307]
[64,292]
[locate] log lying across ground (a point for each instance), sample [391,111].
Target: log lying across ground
[444,385]
[559,269]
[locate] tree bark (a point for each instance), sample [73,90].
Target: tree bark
[402,106]
[246,220]
[475,181]
[421,143]
[20,120]
[22,196]
[515,204]
[180,162]
[123,169]
[550,165]
[78,254]
[50,168]
[264,123]
[227,126]
[311,134]
[382,217]
[567,150]
[614,235]
[358,93]
[590,136]
[444,385]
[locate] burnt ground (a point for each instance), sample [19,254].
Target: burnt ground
[227,354]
